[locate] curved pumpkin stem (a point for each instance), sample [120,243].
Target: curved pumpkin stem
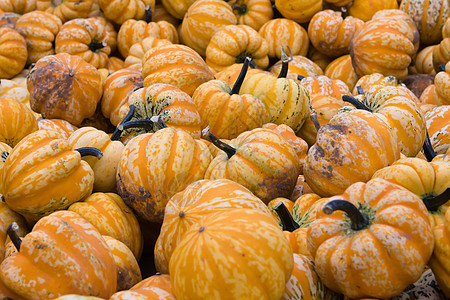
[344,12]
[441,68]
[428,148]
[230,151]
[90,151]
[158,121]
[434,202]
[116,134]
[300,77]
[148,14]
[285,62]
[241,9]
[286,218]
[355,102]
[94,46]
[237,85]
[358,219]
[360,90]
[13,234]
[313,117]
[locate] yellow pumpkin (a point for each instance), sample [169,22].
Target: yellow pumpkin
[12,89]
[253,13]
[423,63]
[324,86]
[439,262]
[17,121]
[13,52]
[367,81]
[120,11]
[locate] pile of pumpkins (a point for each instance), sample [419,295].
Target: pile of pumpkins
[211,149]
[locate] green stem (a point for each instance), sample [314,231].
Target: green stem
[148,14]
[358,220]
[13,233]
[428,148]
[116,134]
[355,102]
[230,151]
[434,202]
[90,151]
[237,85]
[284,63]
[286,218]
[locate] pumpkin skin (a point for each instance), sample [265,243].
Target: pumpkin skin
[232,44]
[53,164]
[87,269]
[441,53]
[439,262]
[7,216]
[177,65]
[114,64]
[9,19]
[214,240]
[299,65]
[335,161]
[202,20]
[4,152]
[324,86]
[146,182]
[64,86]
[365,9]
[177,8]
[137,51]
[17,121]
[298,11]
[116,90]
[13,90]
[120,11]
[64,128]
[93,39]
[18,7]
[429,17]
[367,81]
[13,52]
[441,93]
[384,45]
[231,73]
[161,14]
[253,13]
[66,10]
[423,63]
[438,126]
[287,33]
[157,286]
[331,33]
[341,68]
[199,199]
[264,162]
[128,272]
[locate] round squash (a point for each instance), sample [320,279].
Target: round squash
[365,9]
[441,93]
[13,53]
[298,11]
[19,7]
[120,11]
[7,216]
[137,51]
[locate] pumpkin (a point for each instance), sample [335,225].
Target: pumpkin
[213,244]
[399,106]
[11,89]
[177,8]
[17,121]
[441,53]
[157,286]
[287,33]
[64,86]
[128,272]
[120,11]
[77,297]
[66,10]
[441,93]
[365,9]
[161,14]
[331,32]
[231,73]
[298,11]
[423,63]
[93,39]
[199,199]
[134,31]
[417,83]
[116,89]
[9,19]
[104,168]
[367,81]
[110,216]
[350,148]
[202,20]
[377,235]
[43,174]
[232,44]
[429,17]
[438,126]
[426,100]
[261,160]
[13,52]
[137,51]
[4,152]
[45,267]
[277,202]
[114,64]
[298,65]
[64,128]
[341,68]
[7,217]
[227,113]
[167,162]
[324,86]
[319,58]
[173,106]
[384,45]
[253,13]
[19,7]
[177,65]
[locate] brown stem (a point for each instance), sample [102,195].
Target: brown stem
[286,218]
[90,151]
[13,233]
[230,151]
[358,219]
[434,202]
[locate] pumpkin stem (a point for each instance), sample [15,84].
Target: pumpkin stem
[313,117]
[358,219]
[441,68]
[284,62]
[241,9]
[158,121]
[237,85]
[300,77]
[148,14]
[13,234]
[116,134]
[276,12]
[230,151]
[428,148]
[433,202]
[94,46]
[144,123]
[360,90]
[286,218]
[91,151]
[344,12]
[355,102]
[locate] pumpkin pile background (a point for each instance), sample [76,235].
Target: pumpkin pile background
[212,149]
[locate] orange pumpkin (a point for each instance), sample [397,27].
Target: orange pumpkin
[4,152]
[177,8]
[64,128]
[366,9]
[441,93]
[64,86]
[66,10]
[423,63]
[137,51]
[157,286]
[319,58]
[341,68]
[438,126]
[367,81]
[298,11]
[19,7]
[7,217]
[114,64]
[253,13]
[324,86]
[13,52]
[120,11]
[160,13]
[13,90]
[441,53]
[298,65]
[17,121]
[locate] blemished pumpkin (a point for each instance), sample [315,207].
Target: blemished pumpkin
[66,10]
[350,148]
[253,13]
[261,160]
[17,121]
[46,267]
[120,11]
[438,126]
[13,52]
[43,174]
[287,33]
[377,235]
[216,244]
[199,199]
[341,68]
[177,65]
[202,20]
[155,166]
[8,19]
[64,86]
[233,44]
[298,11]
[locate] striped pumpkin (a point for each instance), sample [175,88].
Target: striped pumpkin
[137,51]
[438,126]
[341,68]
[120,11]
[64,128]
[17,121]
[299,65]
